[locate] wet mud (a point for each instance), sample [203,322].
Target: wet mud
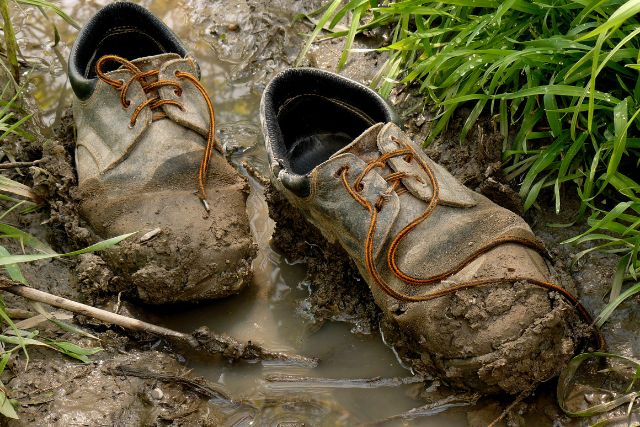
[138,380]
[136,388]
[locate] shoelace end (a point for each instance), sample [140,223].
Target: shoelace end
[205,204]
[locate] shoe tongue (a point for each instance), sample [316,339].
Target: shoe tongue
[365,146]
[383,138]
[452,192]
[154,62]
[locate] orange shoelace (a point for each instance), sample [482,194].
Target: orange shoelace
[156,102]
[395,180]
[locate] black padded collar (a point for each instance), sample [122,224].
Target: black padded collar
[335,93]
[121,28]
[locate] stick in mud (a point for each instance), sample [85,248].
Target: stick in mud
[17,165]
[202,340]
[292,381]
[202,388]
[431,409]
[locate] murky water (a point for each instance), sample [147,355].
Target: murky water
[237,49]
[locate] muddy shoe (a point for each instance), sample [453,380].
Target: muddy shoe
[146,161]
[460,280]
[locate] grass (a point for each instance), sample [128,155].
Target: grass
[627,366]
[558,78]
[10,42]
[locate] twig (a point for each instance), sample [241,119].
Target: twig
[201,340]
[523,395]
[117,309]
[430,409]
[202,389]
[255,173]
[15,165]
[287,381]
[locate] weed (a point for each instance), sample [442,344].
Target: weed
[14,339]
[19,198]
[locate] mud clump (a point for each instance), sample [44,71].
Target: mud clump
[518,362]
[155,271]
[336,290]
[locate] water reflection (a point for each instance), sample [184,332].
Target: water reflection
[239,44]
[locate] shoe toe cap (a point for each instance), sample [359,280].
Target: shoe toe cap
[181,254]
[492,339]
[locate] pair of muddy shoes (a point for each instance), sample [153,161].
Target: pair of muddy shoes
[460,278]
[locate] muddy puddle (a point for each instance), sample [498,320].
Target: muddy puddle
[240,44]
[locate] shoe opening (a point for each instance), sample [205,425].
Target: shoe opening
[123,29]
[311,114]
[314,127]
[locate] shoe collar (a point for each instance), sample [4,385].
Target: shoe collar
[109,28]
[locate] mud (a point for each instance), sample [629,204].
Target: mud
[336,290]
[53,391]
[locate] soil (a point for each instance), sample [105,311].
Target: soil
[153,387]
[134,388]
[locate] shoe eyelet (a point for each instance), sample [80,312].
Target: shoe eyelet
[359,188]
[341,170]
[127,103]
[177,92]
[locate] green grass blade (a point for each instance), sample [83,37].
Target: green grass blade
[321,23]
[566,379]
[353,29]
[13,270]
[105,244]
[49,5]
[626,11]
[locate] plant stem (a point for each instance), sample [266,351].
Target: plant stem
[15,165]
[10,40]
[96,313]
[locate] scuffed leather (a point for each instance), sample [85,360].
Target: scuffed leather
[463,222]
[105,138]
